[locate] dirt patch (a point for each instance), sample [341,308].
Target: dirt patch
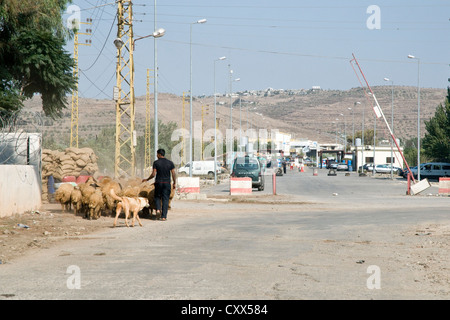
[40,229]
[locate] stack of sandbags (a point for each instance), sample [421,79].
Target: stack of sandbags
[70,162]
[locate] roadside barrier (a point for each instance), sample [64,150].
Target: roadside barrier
[240,186]
[444,186]
[188,184]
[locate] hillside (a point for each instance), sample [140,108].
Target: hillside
[306,114]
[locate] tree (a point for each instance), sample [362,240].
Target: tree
[32,55]
[436,141]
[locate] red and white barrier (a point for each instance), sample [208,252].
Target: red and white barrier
[444,186]
[240,186]
[188,184]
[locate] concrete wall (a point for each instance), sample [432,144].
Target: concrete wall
[20,189]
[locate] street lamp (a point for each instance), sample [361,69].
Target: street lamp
[215,122]
[392,125]
[190,95]
[231,113]
[157,34]
[118,43]
[418,114]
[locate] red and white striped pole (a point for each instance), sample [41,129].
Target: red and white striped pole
[274,183]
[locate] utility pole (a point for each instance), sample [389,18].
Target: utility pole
[205,110]
[74,117]
[125,161]
[148,157]
[183,125]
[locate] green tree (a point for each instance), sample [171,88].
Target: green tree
[436,142]
[32,55]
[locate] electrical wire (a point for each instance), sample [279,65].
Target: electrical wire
[101,51]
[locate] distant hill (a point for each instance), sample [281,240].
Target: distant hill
[306,114]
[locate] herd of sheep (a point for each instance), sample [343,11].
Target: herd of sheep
[92,198]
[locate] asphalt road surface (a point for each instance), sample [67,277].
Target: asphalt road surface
[320,237]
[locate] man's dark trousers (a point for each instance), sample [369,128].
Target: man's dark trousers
[162,196]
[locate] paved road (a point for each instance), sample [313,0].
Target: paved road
[302,248]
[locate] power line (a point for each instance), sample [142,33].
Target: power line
[98,56]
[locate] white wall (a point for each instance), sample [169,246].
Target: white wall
[20,189]
[381,154]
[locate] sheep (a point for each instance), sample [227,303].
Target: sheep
[148,191]
[96,204]
[86,192]
[62,195]
[76,199]
[106,185]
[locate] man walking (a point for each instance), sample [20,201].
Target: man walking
[162,169]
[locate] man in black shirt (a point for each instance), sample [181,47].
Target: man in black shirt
[162,168]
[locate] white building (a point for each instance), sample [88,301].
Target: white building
[378,155]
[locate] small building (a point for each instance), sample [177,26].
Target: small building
[378,155]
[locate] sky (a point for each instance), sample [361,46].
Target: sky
[287,44]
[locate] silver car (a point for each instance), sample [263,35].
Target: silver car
[386,168]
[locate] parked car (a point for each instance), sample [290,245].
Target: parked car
[200,168]
[433,170]
[386,168]
[405,171]
[342,167]
[333,165]
[249,167]
[367,167]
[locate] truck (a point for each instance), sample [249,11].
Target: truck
[200,168]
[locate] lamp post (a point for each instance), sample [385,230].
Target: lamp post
[215,121]
[418,114]
[392,126]
[362,143]
[190,94]
[119,43]
[231,113]
[157,34]
[345,133]
[336,131]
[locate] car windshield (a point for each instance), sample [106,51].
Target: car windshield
[246,163]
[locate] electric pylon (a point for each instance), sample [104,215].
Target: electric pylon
[125,156]
[74,116]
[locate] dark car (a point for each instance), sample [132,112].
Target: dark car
[405,171]
[249,167]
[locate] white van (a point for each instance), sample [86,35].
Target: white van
[200,168]
[433,170]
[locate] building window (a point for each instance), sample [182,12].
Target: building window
[388,160]
[369,160]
